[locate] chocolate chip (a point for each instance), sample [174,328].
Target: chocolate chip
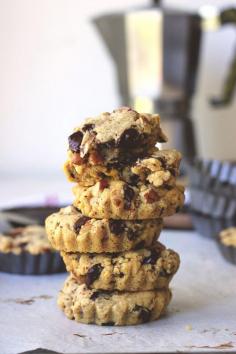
[88,127]
[121,275]
[108,144]
[127,159]
[163,162]
[75,140]
[79,223]
[172,171]
[108,324]
[103,184]
[167,187]
[177,209]
[94,295]
[151,259]
[134,179]
[144,313]
[116,226]
[140,245]
[128,196]
[130,138]
[132,235]
[117,165]
[93,274]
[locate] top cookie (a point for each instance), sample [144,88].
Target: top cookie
[32,239]
[115,137]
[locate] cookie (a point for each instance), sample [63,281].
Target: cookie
[227,244]
[119,200]
[115,137]
[111,308]
[159,168]
[31,239]
[228,237]
[70,231]
[26,250]
[144,269]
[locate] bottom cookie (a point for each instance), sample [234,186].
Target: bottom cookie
[111,308]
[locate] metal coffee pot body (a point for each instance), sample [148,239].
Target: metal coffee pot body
[162,64]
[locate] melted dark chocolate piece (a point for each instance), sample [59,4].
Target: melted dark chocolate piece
[132,235]
[144,313]
[75,140]
[163,162]
[94,295]
[134,179]
[151,259]
[108,144]
[93,274]
[117,227]
[167,187]
[88,127]
[128,196]
[79,223]
[130,138]
[172,171]
[140,245]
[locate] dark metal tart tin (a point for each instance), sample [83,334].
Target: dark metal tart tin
[213,188]
[29,264]
[25,262]
[210,227]
[228,252]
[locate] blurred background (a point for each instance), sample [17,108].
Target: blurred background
[62,61]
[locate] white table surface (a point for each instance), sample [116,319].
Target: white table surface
[201,316]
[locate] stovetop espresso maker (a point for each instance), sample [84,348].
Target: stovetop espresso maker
[160,56]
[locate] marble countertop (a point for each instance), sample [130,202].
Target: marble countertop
[201,316]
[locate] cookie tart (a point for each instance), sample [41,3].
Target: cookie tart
[160,167]
[125,185]
[26,250]
[111,308]
[70,231]
[119,200]
[227,244]
[144,269]
[115,137]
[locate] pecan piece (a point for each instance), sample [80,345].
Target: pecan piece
[151,196]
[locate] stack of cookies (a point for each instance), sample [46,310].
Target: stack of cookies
[119,272]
